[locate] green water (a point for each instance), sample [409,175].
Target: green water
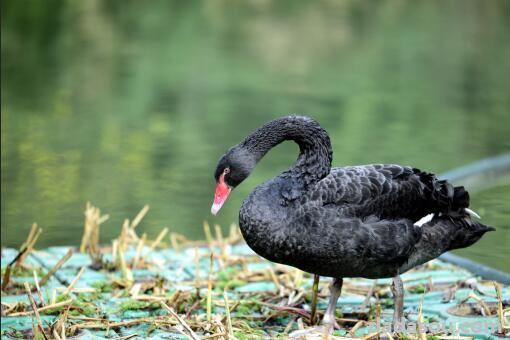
[126,103]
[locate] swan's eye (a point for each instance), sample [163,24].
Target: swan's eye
[226,171]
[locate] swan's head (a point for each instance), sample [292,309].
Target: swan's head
[233,168]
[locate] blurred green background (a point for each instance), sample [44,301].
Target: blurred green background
[125,103]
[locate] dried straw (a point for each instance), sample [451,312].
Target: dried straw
[227,313]
[138,218]
[219,239]
[114,250]
[485,307]
[74,281]
[182,322]
[31,235]
[34,307]
[207,232]
[197,273]
[155,244]
[90,238]
[7,274]
[59,264]
[79,290]
[158,240]
[29,244]
[45,308]
[38,289]
[139,249]
[209,288]
[501,317]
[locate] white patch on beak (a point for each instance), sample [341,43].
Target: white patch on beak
[215,208]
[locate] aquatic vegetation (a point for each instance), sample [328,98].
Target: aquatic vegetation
[104,286]
[418,289]
[138,305]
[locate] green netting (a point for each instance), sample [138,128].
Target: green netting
[260,308]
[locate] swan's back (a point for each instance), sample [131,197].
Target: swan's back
[389,191]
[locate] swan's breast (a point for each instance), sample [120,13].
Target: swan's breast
[265,219]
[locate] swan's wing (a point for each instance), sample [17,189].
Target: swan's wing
[388,191]
[323,242]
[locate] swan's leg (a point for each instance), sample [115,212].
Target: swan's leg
[397,288]
[335,289]
[328,322]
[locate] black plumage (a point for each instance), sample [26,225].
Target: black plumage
[355,221]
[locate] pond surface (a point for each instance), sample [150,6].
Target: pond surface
[123,104]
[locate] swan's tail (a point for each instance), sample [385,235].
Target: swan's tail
[451,226]
[446,199]
[444,233]
[464,231]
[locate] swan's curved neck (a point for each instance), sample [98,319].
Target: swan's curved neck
[315,153]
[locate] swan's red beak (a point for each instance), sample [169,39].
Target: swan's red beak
[220,196]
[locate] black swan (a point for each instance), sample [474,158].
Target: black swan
[371,221]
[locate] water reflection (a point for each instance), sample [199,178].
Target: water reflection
[124,104]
